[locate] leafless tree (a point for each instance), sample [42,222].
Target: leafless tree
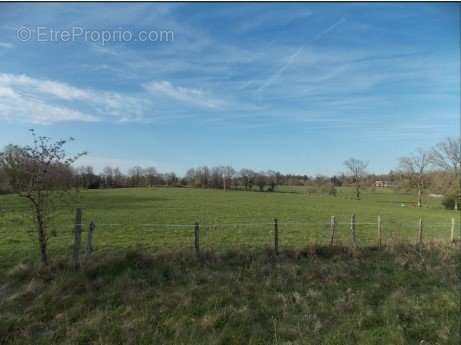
[413,168]
[137,176]
[119,179]
[447,155]
[35,173]
[151,176]
[108,176]
[358,170]
[227,175]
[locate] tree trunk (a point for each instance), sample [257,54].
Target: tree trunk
[357,191]
[41,233]
[43,249]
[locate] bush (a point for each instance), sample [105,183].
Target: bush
[449,201]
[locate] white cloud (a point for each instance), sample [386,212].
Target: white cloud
[45,101]
[57,89]
[18,108]
[190,96]
[6,45]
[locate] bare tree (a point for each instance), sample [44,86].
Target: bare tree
[108,176]
[137,176]
[447,155]
[32,172]
[413,168]
[227,175]
[151,176]
[358,170]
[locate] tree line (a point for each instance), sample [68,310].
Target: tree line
[436,170]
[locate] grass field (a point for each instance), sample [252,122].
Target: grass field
[398,295]
[144,285]
[228,219]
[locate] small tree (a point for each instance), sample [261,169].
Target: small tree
[34,174]
[261,181]
[358,170]
[447,155]
[413,168]
[247,176]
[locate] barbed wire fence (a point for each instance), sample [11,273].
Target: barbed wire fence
[276,234]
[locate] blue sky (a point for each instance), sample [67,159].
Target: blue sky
[293,87]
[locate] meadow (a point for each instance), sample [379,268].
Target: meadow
[161,219]
[145,285]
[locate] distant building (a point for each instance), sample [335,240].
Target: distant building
[382,184]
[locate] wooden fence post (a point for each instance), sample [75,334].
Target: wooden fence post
[276,237]
[197,238]
[420,231]
[77,237]
[354,237]
[89,240]
[333,229]
[379,232]
[452,235]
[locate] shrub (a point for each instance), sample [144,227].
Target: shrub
[448,201]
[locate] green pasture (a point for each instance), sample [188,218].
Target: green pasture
[163,218]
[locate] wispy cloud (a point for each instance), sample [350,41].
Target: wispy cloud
[330,28]
[57,89]
[6,45]
[191,96]
[47,101]
[291,58]
[281,70]
[281,16]
[18,107]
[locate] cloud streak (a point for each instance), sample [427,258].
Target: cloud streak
[189,96]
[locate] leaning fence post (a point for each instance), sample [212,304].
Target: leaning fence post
[452,237]
[89,240]
[354,238]
[197,238]
[420,230]
[276,237]
[379,232]
[333,229]
[77,236]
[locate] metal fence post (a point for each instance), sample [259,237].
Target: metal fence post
[420,231]
[354,236]
[333,229]
[276,237]
[379,232]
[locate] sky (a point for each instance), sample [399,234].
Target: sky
[294,87]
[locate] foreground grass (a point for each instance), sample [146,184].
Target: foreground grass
[396,295]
